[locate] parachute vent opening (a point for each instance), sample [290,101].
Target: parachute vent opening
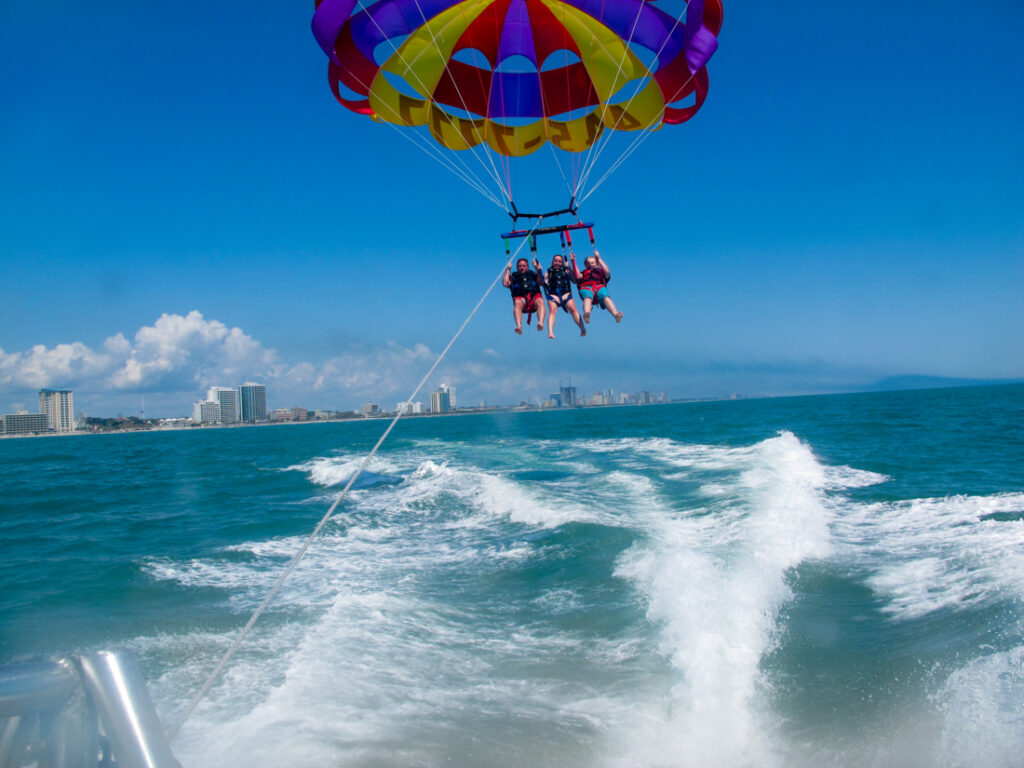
[575,114]
[647,57]
[514,122]
[685,102]
[629,91]
[674,8]
[386,49]
[453,111]
[474,57]
[516,63]
[401,85]
[560,60]
[347,93]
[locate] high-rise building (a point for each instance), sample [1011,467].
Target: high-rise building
[228,399]
[568,396]
[59,407]
[254,402]
[440,401]
[451,394]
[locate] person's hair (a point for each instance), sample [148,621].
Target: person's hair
[522,259]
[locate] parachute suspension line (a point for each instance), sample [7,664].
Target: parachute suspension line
[642,137]
[558,164]
[465,107]
[506,166]
[626,154]
[464,174]
[229,654]
[591,157]
[408,65]
[554,154]
[574,157]
[430,149]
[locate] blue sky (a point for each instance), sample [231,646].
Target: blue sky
[184,204]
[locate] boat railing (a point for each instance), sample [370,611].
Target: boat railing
[83,711]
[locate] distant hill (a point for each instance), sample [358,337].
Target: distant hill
[933,382]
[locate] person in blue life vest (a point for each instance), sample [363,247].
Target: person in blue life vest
[558,286]
[593,286]
[524,285]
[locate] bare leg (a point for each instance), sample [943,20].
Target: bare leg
[587,303]
[541,313]
[552,314]
[571,306]
[517,313]
[610,306]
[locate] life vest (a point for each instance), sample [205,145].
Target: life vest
[593,278]
[523,284]
[558,281]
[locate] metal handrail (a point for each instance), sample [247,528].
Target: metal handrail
[80,712]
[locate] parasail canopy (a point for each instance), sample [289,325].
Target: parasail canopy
[515,74]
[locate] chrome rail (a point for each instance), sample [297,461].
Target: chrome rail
[81,712]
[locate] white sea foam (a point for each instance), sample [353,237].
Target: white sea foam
[384,671]
[841,477]
[337,470]
[927,555]
[715,585]
[386,677]
[983,708]
[671,453]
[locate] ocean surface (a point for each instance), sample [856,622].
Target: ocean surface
[815,581]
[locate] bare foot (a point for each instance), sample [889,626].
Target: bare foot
[519,330]
[540,326]
[583,331]
[618,318]
[551,335]
[586,317]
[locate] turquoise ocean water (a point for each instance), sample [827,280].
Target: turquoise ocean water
[816,581]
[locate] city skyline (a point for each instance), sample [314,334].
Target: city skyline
[208,413]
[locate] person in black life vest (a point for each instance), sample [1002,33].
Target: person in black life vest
[525,287]
[593,285]
[558,284]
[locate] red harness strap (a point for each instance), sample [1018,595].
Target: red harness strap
[530,299]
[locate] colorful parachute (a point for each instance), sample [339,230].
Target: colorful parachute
[515,74]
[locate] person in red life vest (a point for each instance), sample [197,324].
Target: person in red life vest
[558,286]
[593,286]
[525,287]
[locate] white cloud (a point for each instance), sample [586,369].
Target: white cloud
[178,351]
[174,360]
[175,353]
[41,367]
